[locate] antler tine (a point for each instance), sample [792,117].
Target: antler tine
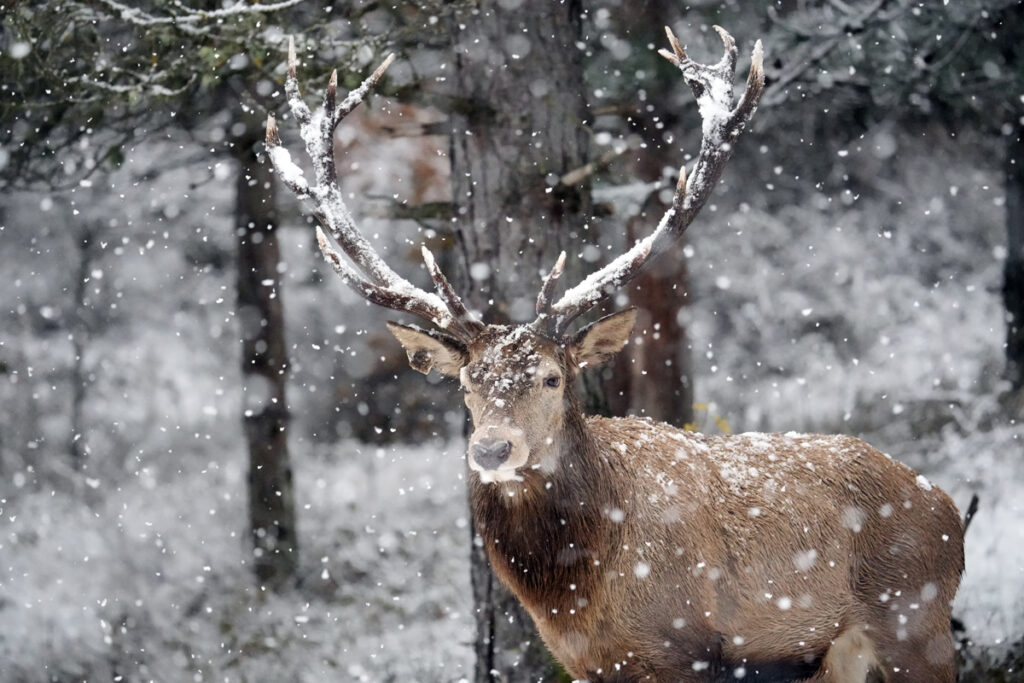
[370,276]
[597,287]
[445,290]
[327,168]
[273,139]
[755,88]
[548,288]
[679,198]
[298,107]
[353,99]
[678,55]
[331,93]
[393,298]
[722,124]
[291,175]
[728,61]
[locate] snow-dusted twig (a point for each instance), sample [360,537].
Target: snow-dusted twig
[189,16]
[145,84]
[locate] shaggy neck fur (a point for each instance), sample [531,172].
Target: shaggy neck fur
[544,534]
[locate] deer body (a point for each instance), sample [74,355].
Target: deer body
[643,552]
[646,552]
[658,554]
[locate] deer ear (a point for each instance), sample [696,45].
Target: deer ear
[599,341]
[429,349]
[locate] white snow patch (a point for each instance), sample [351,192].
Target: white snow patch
[853,518]
[805,559]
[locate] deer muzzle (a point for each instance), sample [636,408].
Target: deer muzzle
[495,452]
[490,454]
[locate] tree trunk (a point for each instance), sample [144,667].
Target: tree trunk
[264,372]
[517,128]
[80,328]
[1013,283]
[653,375]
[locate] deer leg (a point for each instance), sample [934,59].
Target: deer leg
[852,658]
[928,657]
[913,639]
[857,657]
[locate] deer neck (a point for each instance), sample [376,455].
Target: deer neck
[545,533]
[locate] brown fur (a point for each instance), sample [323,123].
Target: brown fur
[651,553]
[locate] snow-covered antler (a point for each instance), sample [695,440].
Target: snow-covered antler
[723,121]
[372,278]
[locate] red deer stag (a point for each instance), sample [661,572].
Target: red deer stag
[644,552]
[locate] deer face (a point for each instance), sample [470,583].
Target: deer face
[516,384]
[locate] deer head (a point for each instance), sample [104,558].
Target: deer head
[518,385]
[518,379]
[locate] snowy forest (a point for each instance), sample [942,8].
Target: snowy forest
[216,463]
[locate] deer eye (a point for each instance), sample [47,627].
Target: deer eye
[553,381]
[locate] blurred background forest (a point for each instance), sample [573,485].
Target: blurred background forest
[214,461]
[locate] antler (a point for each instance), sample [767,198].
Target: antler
[376,282]
[722,124]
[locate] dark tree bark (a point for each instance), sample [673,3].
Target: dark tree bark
[264,372]
[517,128]
[1013,283]
[81,327]
[653,375]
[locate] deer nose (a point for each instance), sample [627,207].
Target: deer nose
[490,453]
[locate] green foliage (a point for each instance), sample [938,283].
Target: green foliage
[83,77]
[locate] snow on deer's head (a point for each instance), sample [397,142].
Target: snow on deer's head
[517,385]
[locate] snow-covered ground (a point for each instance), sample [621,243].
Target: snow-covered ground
[149,581]
[991,597]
